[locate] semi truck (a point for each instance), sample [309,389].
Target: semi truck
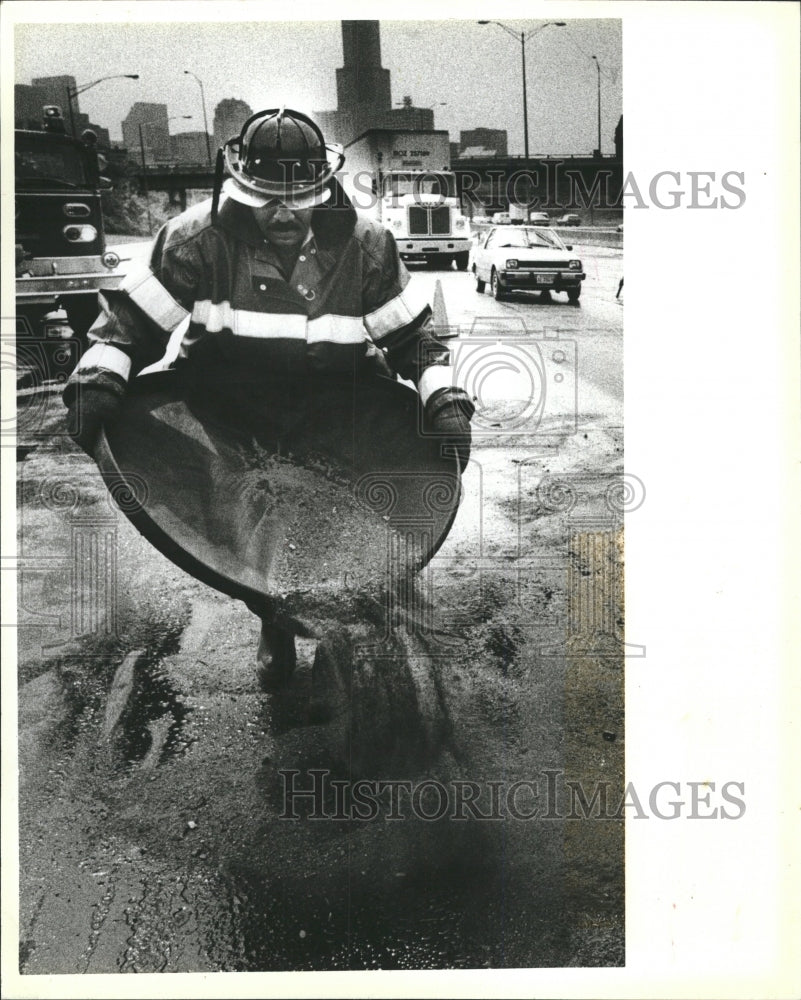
[403,179]
[61,261]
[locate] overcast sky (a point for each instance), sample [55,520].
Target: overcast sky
[474,69]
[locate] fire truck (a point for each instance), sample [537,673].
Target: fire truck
[402,178]
[60,254]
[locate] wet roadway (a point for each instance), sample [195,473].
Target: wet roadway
[155,830]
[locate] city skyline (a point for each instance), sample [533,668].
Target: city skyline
[430,61]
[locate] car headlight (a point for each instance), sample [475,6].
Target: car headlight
[80,234]
[575,265]
[110,259]
[512,264]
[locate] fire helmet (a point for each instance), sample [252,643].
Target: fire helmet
[279,154]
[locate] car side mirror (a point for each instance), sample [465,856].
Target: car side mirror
[568,246]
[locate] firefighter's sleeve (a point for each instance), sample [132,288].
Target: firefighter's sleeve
[398,318]
[137,318]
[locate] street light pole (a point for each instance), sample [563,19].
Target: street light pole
[598,67]
[71,94]
[521,37]
[205,119]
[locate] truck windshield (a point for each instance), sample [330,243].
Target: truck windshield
[415,184]
[41,159]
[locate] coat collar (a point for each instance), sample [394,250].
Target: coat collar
[331,224]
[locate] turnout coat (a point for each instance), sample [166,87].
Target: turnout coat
[349,296]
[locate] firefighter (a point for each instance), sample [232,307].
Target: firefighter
[278,273]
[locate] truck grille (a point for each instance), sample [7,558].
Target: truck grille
[429,221]
[440,221]
[418,221]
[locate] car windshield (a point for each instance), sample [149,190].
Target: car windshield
[524,237]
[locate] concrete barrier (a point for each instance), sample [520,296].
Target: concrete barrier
[598,236]
[588,236]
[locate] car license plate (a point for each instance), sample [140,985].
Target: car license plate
[544,279]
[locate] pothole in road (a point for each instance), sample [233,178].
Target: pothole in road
[145,716]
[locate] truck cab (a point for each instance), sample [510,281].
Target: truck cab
[60,255]
[423,213]
[403,179]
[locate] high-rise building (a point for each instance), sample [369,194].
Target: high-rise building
[30,100]
[189,147]
[146,130]
[363,89]
[364,97]
[28,104]
[229,117]
[55,89]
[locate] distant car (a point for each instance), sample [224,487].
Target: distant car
[539,219]
[568,219]
[526,258]
[501,218]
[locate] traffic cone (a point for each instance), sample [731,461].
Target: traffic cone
[440,315]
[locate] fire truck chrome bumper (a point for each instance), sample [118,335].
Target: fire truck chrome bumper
[68,284]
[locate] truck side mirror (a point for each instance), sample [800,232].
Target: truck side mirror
[105,183]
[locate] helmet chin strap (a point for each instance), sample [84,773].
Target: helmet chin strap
[218,180]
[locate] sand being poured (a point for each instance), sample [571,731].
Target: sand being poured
[311,493]
[299,521]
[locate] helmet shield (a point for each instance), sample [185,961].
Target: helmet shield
[280,155]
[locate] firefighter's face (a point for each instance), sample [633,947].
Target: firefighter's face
[285,227]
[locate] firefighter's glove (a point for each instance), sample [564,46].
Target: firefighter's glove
[447,415]
[91,407]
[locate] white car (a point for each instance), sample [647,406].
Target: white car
[525,258]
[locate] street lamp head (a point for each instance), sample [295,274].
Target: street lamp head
[132,76]
[485,22]
[559,24]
